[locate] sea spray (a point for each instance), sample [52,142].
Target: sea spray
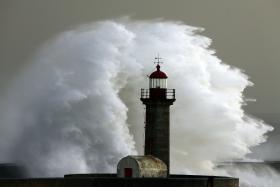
[76,107]
[254,174]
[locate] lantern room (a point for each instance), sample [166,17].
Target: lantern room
[158,79]
[158,86]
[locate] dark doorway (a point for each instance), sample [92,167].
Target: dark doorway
[128,172]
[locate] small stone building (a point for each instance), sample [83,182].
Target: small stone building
[141,166]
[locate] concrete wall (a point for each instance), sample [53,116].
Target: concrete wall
[80,181]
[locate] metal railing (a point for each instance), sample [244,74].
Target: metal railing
[169,93]
[145,93]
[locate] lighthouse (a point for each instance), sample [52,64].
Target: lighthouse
[157,100]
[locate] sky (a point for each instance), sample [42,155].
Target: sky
[244,34]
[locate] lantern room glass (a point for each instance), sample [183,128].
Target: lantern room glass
[158,83]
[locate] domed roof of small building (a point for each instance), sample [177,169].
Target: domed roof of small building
[158,74]
[142,166]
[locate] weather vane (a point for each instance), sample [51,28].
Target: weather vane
[158,60]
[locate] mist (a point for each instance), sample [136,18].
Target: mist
[76,107]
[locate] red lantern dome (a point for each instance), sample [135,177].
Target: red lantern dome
[158,74]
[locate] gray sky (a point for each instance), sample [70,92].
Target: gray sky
[244,33]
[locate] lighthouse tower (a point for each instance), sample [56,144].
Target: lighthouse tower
[157,100]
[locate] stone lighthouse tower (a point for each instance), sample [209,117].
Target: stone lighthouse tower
[157,100]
